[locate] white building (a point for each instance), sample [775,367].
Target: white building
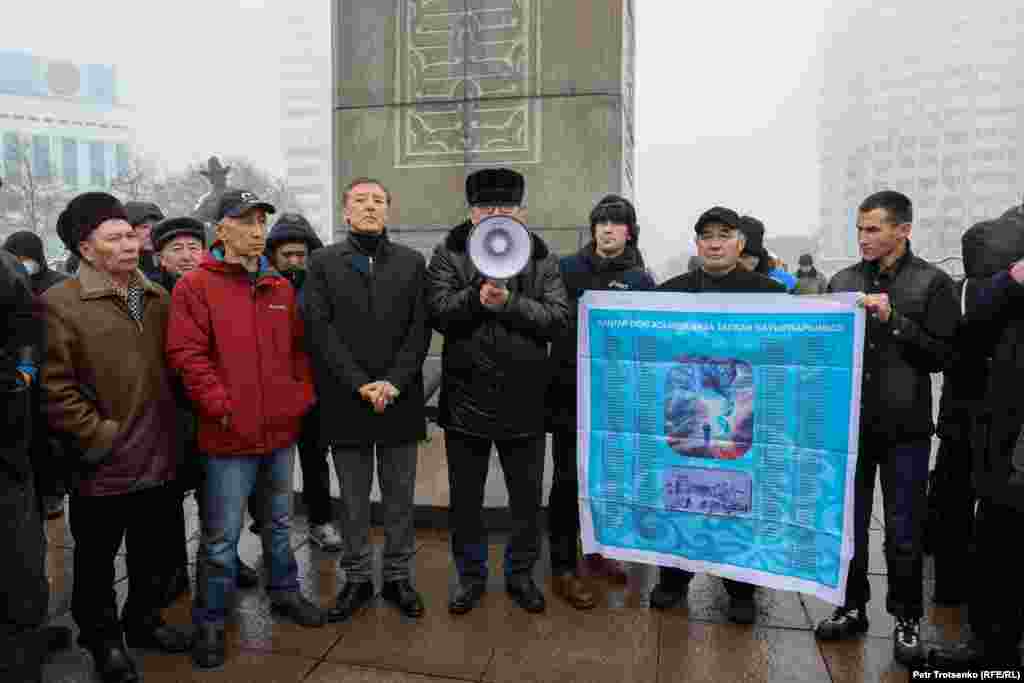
[926,99]
[69,117]
[303,39]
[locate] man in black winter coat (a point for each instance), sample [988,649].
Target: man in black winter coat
[290,245]
[721,240]
[144,216]
[610,261]
[995,324]
[366,330]
[23,588]
[494,378]
[46,453]
[912,319]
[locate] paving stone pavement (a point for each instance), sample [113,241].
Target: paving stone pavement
[621,640]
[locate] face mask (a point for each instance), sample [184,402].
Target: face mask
[31,266]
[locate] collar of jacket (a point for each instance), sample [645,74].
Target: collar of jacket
[458,239]
[627,260]
[96,285]
[352,245]
[214,262]
[873,269]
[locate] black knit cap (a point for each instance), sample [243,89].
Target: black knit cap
[169,228]
[292,227]
[614,208]
[84,214]
[143,212]
[753,230]
[26,244]
[495,187]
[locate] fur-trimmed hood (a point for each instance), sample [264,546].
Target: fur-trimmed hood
[457,241]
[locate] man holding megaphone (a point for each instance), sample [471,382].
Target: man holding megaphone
[495,293]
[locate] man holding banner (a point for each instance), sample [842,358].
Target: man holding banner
[492,392]
[720,242]
[913,315]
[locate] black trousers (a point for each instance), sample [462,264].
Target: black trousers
[522,462]
[951,518]
[24,592]
[564,504]
[903,470]
[144,520]
[996,607]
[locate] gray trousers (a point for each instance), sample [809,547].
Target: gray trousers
[396,474]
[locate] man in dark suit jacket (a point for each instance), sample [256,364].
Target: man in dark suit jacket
[367,335]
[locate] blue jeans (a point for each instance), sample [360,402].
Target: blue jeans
[229,481]
[904,473]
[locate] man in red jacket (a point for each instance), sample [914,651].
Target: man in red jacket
[235,336]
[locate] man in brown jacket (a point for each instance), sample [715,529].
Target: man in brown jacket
[108,389]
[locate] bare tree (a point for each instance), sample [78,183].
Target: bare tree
[138,181]
[32,193]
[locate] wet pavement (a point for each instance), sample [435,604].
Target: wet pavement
[621,640]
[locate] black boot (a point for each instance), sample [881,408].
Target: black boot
[113,663]
[153,633]
[209,649]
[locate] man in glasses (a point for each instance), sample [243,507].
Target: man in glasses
[495,375]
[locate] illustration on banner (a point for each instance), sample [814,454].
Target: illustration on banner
[709,407]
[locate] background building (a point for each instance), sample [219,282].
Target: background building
[303,37]
[926,99]
[64,129]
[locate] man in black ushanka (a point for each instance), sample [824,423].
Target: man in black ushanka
[495,375]
[720,242]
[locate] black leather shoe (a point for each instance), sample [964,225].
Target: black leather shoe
[972,656]
[467,597]
[526,594]
[296,607]
[113,663]
[208,650]
[403,596]
[352,598]
[156,634]
[247,576]
[668,596]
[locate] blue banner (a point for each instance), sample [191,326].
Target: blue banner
[718,433]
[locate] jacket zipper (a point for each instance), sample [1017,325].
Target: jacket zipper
[373,312]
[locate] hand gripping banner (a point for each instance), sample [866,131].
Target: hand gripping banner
[718,433]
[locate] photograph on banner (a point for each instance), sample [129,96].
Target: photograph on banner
[718,433]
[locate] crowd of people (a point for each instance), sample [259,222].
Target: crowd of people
[166,365]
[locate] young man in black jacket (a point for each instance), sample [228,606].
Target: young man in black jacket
[912,318]
[495,366]
[721,241]
[290,245]
[366,330]
[610,261]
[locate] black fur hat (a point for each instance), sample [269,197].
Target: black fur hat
[495,187]
[84,214]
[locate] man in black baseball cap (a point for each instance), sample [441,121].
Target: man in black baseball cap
[720,243]
[235,202]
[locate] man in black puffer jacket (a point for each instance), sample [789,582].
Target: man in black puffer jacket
[912,319]
[994,322]
[495,366]
[611,261]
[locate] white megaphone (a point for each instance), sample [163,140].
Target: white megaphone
[500,248]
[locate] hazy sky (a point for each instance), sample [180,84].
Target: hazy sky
[201,74]
[725,95]
[726,114]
